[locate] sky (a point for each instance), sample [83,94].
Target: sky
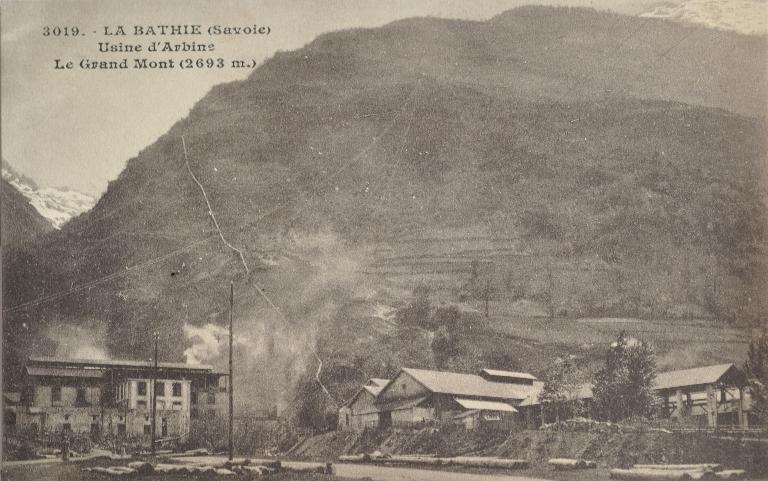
[77,128]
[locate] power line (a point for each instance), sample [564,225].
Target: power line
[102,280]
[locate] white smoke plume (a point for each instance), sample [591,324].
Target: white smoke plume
[207,342]
[79,342]
[312,278]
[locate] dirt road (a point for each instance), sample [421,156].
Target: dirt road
[384,473]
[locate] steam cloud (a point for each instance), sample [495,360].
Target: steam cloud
[272,350]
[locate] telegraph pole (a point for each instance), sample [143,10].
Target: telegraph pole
[231,397]
[154,396]
[551,286]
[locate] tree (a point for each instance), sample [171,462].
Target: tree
[562,383]
[446,316]
[416,313]
[444,346]
[624,386]
[481,285]
[756,368]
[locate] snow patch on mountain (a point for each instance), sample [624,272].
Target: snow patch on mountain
[58,205]
[743,16]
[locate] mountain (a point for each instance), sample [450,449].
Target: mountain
[743,16]
[58,205]
[586,160]
[21,223]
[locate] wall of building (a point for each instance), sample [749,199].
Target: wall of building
[166,400]
[412,416]
[43,394]
[363,421]
[139,423]
[202,406]
[403,387]
[363,404]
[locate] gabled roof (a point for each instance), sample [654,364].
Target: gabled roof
[373,386]
[697,376]
[467,385]
[377,381]
[509,374]
[533,397]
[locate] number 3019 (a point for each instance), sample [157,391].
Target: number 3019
[60,31]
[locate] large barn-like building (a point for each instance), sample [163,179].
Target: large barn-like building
[113,397]
[706,396]
[416,397]
[492,399]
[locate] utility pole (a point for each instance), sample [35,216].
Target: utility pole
[551,286]
[154,396]
[231,397]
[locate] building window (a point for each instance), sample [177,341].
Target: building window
[66,427]
[56,393]
[177,389]
[147,429]
[142,388]
[193,396]
[141,404]
[177,404]
[211,398]
[66,417]
[160,388]
[80,399]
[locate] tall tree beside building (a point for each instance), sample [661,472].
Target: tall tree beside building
[623,388]
[417,312]
[562,383]
[756,368]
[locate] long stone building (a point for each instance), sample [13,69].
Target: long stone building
[113,397]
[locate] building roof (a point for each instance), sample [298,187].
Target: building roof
[696,376]
[509,374]
[118,363]
[533,397]
[64,372]
[373,386]
[485,405]
[583,392]
[378,381]
[720,373]
[399,404]
[467,385]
